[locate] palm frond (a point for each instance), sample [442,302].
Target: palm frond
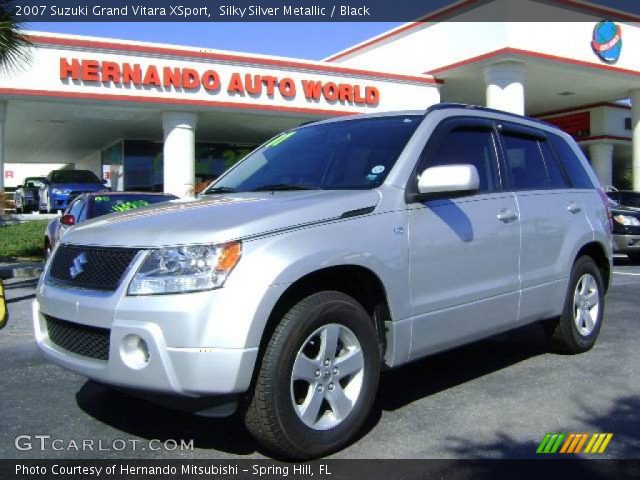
[14,44]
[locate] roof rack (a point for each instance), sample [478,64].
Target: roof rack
[447,105]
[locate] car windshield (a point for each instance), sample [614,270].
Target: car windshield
[350,154]
[101,205]
[33,183]
[73,176]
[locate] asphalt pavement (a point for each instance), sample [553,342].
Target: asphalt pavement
[492,399]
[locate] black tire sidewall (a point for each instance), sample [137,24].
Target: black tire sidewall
[335,309]
[583,342]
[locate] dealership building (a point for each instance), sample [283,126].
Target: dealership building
[151,117]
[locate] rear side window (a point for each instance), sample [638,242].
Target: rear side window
[468,145]
[525,162]
[557,178]
[572,165]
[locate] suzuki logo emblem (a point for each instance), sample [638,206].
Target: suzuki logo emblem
[76,269]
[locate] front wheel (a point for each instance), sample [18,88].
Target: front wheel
[577,329]
[317,379]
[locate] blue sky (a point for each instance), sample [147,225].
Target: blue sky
[313,41]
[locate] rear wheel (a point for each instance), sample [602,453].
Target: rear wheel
[577,329]
[317,379]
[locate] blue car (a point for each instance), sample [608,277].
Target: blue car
[62,186]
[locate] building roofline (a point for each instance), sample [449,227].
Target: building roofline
[585,6]
[402,28]
[538,55]
[93,43]
[580,108]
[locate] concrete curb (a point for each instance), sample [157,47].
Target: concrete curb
[20,270]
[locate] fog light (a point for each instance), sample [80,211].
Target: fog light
[134,351]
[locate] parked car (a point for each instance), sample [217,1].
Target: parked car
[92,205]
[334,250]
[626,230]
[626,198]
[62,186]
[27,195]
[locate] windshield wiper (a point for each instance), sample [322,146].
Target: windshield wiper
[280,187]
[215,190]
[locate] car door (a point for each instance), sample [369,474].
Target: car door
[463,252]
[552,219]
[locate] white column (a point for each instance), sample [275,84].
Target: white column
[179,152]
[601,156]
[3,117]
[505,86]
[635,129]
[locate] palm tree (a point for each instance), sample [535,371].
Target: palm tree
[14,55]
[14,44]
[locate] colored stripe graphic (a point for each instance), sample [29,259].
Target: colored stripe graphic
[598,442]
[550,443]
[574,443]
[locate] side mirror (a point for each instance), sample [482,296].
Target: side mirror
[449,179]
[105,181]
[68,220]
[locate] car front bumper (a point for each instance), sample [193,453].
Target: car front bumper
[29,201]
[60,201]
[626,243]
[198,344]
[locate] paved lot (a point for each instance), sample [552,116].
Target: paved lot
[496,398]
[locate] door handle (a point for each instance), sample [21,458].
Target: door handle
[573,207]
[507,215]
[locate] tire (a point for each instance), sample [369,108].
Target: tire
[275,409]
[47,249]
[577,329]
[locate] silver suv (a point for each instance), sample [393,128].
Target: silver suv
[332,251]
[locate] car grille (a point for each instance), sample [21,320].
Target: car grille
[80,339]
[95,268]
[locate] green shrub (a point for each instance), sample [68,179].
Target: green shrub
[24,239]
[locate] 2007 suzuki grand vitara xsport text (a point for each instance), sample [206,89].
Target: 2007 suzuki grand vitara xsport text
[332,251]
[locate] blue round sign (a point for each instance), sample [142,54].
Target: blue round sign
[607,41]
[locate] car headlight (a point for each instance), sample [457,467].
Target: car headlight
[60,191]
[185,269]
[627,220]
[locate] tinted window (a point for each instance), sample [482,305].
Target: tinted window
[101,205]
[629,199]
[349,154]
[73,176]
[472,146]
[557,178]
[525,163]
[572,165]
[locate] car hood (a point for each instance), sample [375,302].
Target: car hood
[219,218]
[81,187]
